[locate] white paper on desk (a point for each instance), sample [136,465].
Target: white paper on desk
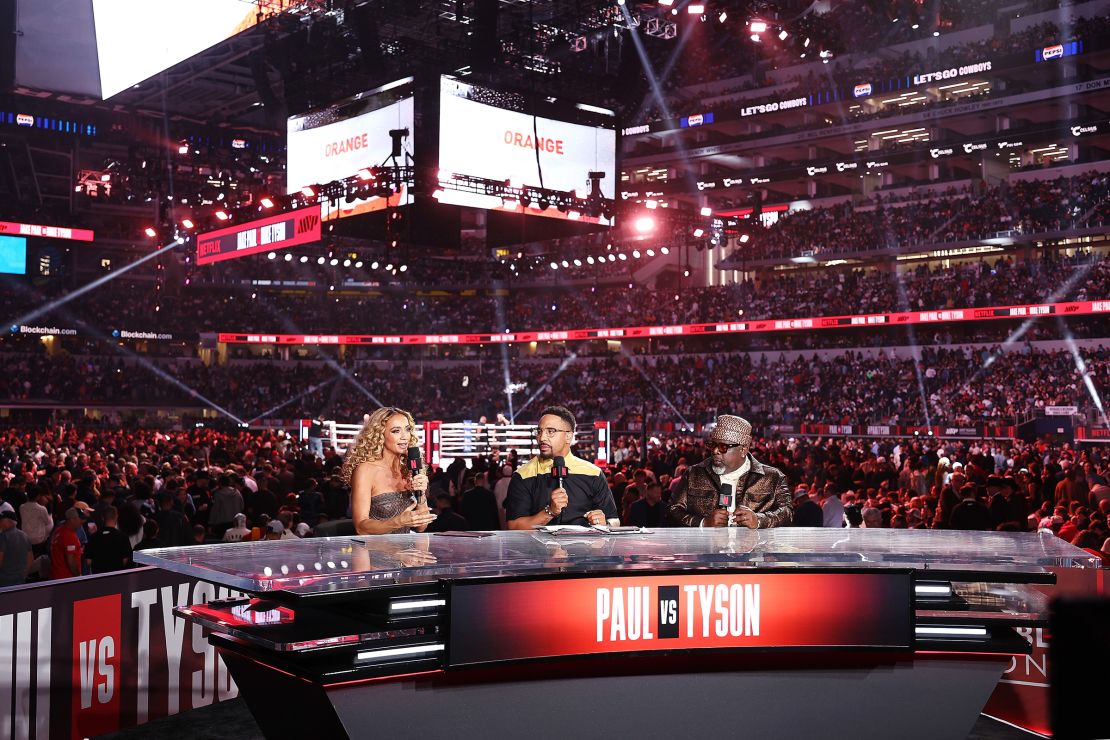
[568,528]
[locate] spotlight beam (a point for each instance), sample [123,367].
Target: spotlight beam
[562,366]
[636,364]
[1084,373]
[102,280]
[1014,336]
[298,397]
[657,91]
[139,359]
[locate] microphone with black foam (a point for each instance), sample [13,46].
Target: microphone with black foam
[559,473]
[724,499]
[416,464]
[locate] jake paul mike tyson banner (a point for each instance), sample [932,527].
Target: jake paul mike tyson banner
[508,621]
[88,656]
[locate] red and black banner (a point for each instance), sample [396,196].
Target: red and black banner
[264,235]
[556,617]
[88,656]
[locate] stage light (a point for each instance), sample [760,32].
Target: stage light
[543,203]
[722,17]
[699,233]
[358,265]
[612,258]
[758,26]
[402,268]
[565,263]
[666,3]
[183,149]
[554,265]
[365,174]
[622,257]
[589,260]
[744,238]
[707,211]
[187,223]
[755,37]
[651,204]
[346,263]
[693,9]
[645,224]
[636,253]
[151,232]
[651,253]
[222,215]
[320,260]
[574,215]
[333,262]
[577,263]
[271,256]
[664,250]
[806,44]
[288,258]
[437,193]
[374,265]
[266,202]
[389,267]
[304,258]
[308,192]
[526,199]
[686,272]
[782,35]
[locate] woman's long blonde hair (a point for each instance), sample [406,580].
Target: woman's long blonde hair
[369,445]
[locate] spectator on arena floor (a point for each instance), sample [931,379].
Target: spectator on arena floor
[238,530]
[807,512]
[15,551]
[108,549]
[649,510]
[66,550]
[478,505]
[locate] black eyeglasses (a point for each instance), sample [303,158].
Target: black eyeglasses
[721,446]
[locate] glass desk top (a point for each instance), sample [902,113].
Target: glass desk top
[322,565]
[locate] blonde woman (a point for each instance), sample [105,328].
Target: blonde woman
[386,498]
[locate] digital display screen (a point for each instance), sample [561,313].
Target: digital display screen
[544,618]
[338,141]
[137,39]
[507,145]
[264,235]
[13,255]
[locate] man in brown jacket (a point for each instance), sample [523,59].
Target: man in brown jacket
[761,495]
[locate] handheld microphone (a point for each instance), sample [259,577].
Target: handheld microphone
[724,500]
[416,464]
[559,471]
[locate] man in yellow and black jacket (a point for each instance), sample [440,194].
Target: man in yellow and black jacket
[534,497]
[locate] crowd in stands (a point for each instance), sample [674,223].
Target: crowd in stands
[856,69]
[957,387]
[190,310]
[82,501]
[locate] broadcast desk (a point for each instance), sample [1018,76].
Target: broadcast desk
[819,633]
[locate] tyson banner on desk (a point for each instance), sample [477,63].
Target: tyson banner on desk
[86,656]
[522,620]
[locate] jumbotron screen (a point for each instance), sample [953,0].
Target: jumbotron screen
[137,39]
[13,255]
[336,142]
[497,143]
